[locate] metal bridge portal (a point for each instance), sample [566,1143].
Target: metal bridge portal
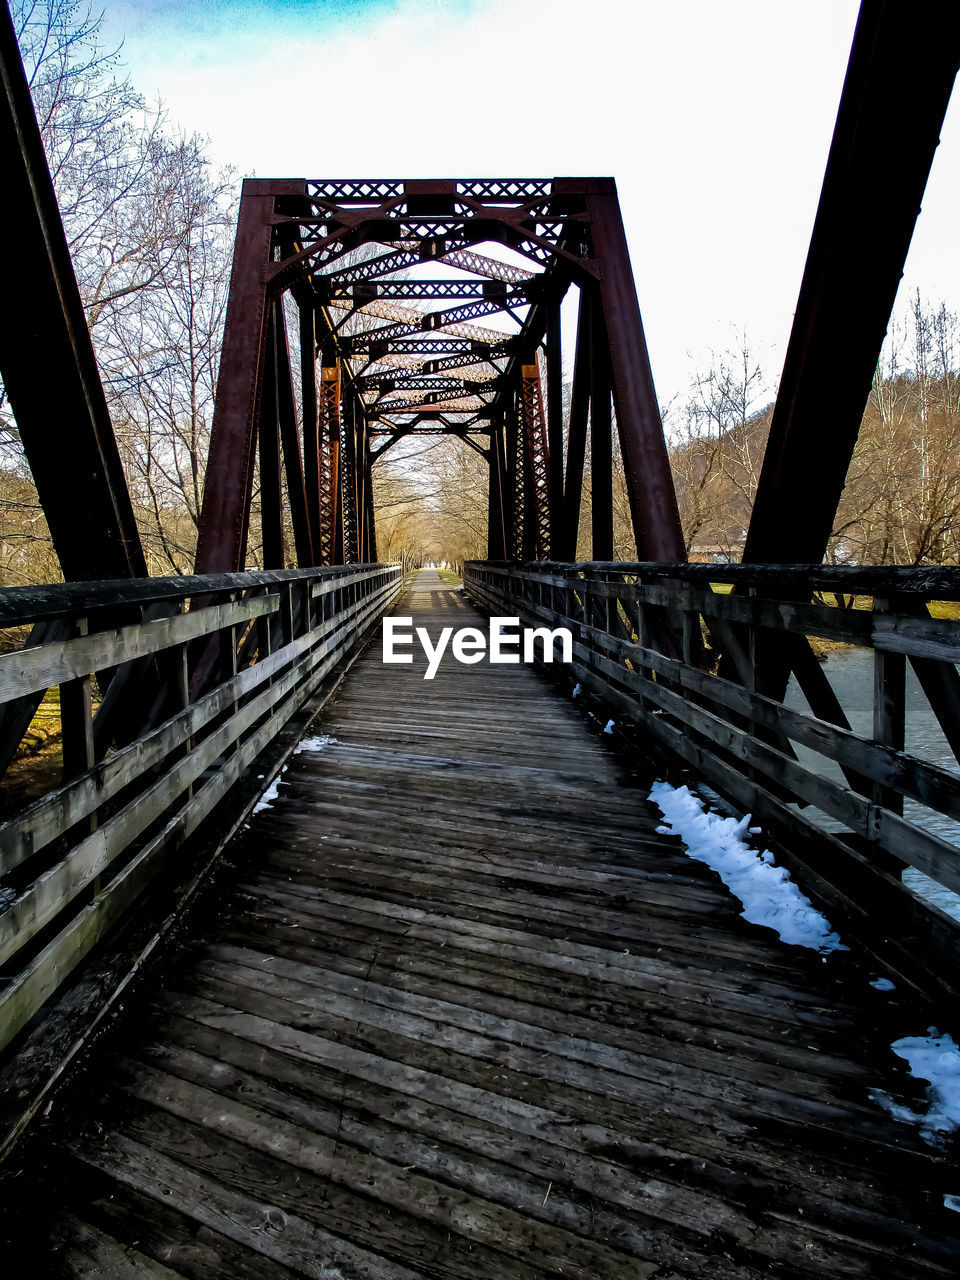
[459,1004]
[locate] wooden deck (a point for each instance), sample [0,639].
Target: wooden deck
[462,1012]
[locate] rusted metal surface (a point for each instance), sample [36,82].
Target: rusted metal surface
[413,356]
[47,361]
[329,461]
[901,72]
[537,463]
[225,516]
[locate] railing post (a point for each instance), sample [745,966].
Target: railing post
[229,667]
[288,614]
[889,708]
[76,720]
[181,686]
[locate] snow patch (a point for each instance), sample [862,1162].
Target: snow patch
[952,1202]
[768,894]
[317,743]
[883,984]
[577,690]
[936,1059]
[608,727]
[266,800]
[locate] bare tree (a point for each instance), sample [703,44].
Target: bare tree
[717,450]
[145,218]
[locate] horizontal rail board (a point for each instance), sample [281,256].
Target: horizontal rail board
[33,670]
[920,780]
[198,769]
[21,605]
[614,613]
[931,582]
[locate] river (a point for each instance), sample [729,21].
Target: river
[851,674]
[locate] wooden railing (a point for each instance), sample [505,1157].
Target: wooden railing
[191,698]
[698,657]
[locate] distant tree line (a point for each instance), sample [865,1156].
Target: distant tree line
[901,502]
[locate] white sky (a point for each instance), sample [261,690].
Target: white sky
[714,116]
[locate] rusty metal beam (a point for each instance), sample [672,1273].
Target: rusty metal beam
[653,501]
[268,436]
[554,354]
[601,446]
[496,485]
[290,442]
[310,410]
[47,360]
[536,465]
[331,541]
[901,71]
[566,547]
[348,480]
[291,233]
[225,515]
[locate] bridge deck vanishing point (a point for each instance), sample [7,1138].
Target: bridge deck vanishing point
[460,1010]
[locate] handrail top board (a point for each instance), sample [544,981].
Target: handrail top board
[940,582]
[20,605]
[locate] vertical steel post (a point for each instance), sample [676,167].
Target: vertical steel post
[290,441]
[359,475]
[554,352]
[517,472]
[330,429]
[369,523]
[566,549]
[496,490]
[310,408]
[348,479]
[271,501]
[601,448]
[653,501]
[225,515]
[536,465]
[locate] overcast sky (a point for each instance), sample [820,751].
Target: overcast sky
[714,116]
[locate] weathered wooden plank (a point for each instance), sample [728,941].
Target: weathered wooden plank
[30,670]
[433,1138]
[47,896]
[934,582]
[518,1044]
[935,857]
[557,1245]
[19,605]
[46,971]
[342,1104]
[882,763]
[240,1216]
[661,1010]
[657,1199]
[51,816]
[530,1021]
[444,990]
[94,1253]
[722,1045]
[589,1124]
[615,969]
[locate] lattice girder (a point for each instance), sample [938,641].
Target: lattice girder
[397,276]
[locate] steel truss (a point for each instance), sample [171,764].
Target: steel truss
[361,260]
[372,267]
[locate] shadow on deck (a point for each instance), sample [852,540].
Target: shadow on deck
[460,1010]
